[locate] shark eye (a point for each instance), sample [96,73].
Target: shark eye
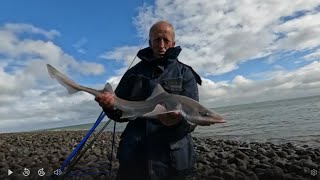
[204,113]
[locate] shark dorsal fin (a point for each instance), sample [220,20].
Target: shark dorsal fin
[108,88]
[158,89]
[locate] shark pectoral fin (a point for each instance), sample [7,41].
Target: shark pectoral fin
[132,118]
[160,109]
[128,116]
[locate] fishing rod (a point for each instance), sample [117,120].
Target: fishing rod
[80,155]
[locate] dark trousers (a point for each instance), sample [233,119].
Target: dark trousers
[139,170]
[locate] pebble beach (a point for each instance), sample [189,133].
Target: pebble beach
[216,158]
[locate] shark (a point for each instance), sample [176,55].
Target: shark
[159,102]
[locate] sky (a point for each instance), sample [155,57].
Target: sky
[245,52]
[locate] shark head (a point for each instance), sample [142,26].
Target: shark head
[210,117]
[203,116]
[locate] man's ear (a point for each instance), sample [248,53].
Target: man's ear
[174,43]
[149,43]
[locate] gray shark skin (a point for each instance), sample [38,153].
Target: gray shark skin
[160,102]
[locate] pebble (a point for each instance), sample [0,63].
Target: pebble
[241,155]
[279,163]
[310,165]
[217,159]
[2,156]
[282,154]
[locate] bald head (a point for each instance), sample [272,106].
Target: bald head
[162,25]
[161,38]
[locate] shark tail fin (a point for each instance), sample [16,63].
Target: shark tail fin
[70,89]
[62,79]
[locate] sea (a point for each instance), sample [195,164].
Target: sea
[295,121]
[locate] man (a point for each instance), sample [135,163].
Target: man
[149,148]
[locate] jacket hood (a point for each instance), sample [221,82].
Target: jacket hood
[146,55]
[171,54]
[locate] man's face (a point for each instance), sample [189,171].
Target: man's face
[161,39]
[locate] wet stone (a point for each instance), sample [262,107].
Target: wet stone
[282,154]
[219,159]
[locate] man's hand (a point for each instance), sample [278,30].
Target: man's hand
[105,100]
[170,119]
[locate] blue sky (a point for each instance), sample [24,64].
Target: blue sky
[95,26]
[244,51]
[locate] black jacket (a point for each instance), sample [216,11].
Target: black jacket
[162,147]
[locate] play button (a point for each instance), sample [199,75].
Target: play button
[9,172]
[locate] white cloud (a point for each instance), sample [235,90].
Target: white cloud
[114,81]
[27,100]
[280,85]
[79,45]
[28,28]
[126,54]
[47,108]
[300,33]
[218,35]
[88,68]
[34,53]
[313,56]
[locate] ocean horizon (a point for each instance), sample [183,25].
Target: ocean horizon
[282,121]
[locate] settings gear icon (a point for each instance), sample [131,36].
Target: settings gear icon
[313,172]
